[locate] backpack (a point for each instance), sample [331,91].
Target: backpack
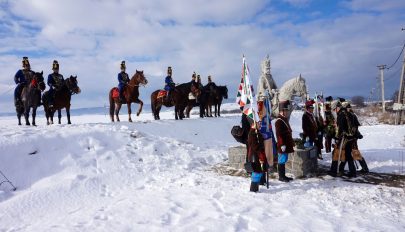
[238,133]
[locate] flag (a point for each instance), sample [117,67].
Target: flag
[245,97]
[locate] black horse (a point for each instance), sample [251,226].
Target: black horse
[215,99]
[179,99]
[62,99]
[200,101]
[30,98]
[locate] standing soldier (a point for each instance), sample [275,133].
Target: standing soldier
[123,79]
[309,124]
[55,82]
[346,136]
[169,84]
[22,78]
[320,128]
[285,142]
[330,125]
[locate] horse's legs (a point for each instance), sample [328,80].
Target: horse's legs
[34,114]
[26,115]
[176,109]
[219,109]
[51,114]
[157,112]
[68,114]
[117,111]
[129,112]
[188,110]
[19,114]
[60,116]
[140,107]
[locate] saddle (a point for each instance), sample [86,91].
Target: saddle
[116,92]
[162,93]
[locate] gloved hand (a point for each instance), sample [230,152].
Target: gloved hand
[307,139]
[320,133]
[283,147]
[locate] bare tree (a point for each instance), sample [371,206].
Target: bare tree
[358,101]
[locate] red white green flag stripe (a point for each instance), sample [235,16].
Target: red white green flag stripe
[245,97]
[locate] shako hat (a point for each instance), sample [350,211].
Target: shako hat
[123,66]
[284,105]
[25,62]
[169,70]
[329,99]
[309,104]
[55,65]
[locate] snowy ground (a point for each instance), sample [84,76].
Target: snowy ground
[156,176]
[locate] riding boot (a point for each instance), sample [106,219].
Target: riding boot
[281,173]
[352,169]
[364,167]
[333,169]
[254,187]
[342,168]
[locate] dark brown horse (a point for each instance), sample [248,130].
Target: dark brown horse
[131,94]
[179,99]
[215,99]
[30,98]
[62,100]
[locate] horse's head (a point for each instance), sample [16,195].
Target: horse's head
[72,85]
[39,78]
[139,78]
[225,92]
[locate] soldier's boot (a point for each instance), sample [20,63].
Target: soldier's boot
[281,173]
[342,168]
[364,167]
[352,169]
[333,169]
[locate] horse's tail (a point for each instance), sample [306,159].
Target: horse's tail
[112,104]
[152,103]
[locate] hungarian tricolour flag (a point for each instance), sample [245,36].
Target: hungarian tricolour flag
[245,97]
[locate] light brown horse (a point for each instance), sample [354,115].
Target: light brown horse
[131,94]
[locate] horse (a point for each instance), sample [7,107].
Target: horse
[291,88]
[178,99]
[30,98]
[62,100]
[131,94]
[220,92]
[201,101]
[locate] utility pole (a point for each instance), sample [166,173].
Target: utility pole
[401,93]
[382,67]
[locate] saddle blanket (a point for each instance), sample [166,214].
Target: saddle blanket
[162,93]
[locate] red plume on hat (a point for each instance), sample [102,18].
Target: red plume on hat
[309,104]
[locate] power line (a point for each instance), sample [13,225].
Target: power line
[403,46]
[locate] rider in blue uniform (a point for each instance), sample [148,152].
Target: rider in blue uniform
[123,79]
[169,84]
[55,82]
[22,78]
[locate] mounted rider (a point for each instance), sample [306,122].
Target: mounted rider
[169,83]
[55,82]
[22,78]
[211,85]
[123,79]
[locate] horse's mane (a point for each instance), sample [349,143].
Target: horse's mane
[289,87]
